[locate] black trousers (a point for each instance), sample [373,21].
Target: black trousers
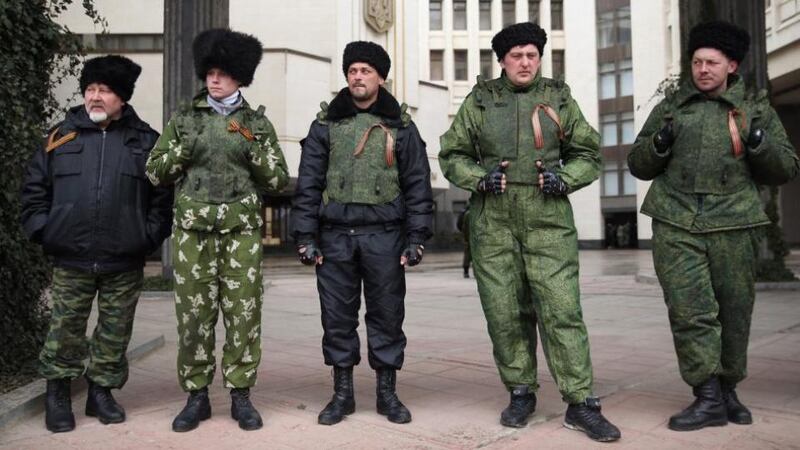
[350,258]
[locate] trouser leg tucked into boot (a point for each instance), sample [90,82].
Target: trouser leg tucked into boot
[587,417]
[522,405]
[343,401]
[101,404]
[58,406]
[707,410]
[243,411]
[387,402]
[197,408]
[737,412]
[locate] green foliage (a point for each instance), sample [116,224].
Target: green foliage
[773,268]
[36,53]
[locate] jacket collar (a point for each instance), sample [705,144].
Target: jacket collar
[528,88]
[734,95]
[200,101]
[385,106]
[78,119]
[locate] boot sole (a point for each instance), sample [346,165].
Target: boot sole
[60,429]
[715,423]
[194,425]
[591,436]
[246,427]
[345,413]
[384,413]
[741,422]
[104,420]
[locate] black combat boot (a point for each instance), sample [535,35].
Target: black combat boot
[343,401]
[522,405]
[708,409]
[197,408]
[58,406]
[587,417]
[101,404]
[737,412]
[387,402]
[243,411]
[466,272]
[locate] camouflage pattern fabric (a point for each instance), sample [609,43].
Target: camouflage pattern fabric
[709,288]
[67,347]
[216,271]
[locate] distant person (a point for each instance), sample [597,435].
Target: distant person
[462,224]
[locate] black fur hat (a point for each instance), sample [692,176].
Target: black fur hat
[237,54]
[731,40]
[518,34]
[117,72]
[366,52]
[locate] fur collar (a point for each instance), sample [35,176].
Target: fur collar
[385,106]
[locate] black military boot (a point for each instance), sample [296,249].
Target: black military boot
[101,404]
[466,272]
[708,409]
[737,412]
[587,417]
[343,401]
[243,411]
[522,405]
[197,408]
[387,402]
[58,406]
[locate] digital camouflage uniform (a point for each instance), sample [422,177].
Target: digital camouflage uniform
[706,210]
[524,244]
[220,165]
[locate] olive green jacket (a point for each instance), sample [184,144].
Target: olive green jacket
[699,184]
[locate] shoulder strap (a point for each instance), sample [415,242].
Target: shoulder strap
[53,143]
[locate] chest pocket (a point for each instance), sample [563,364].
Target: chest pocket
[68,159]
[133,164]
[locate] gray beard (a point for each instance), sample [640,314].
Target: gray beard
[98,117]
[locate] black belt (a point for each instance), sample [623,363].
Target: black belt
[360,229]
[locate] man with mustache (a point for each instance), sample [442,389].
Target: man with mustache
[706,147]
[520,144]
[87,201]
[361,213]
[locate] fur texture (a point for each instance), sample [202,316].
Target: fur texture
[237,54]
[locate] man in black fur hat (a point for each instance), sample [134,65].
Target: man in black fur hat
[706,147]
[361,213]
[222,155]
[87,202]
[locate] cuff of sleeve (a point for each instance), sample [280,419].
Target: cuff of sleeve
[758,150]
[659,154]
[304,239]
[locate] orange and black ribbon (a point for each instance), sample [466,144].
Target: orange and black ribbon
[234,126]
[538,137]
[736,139]
[53,143]
[389,143]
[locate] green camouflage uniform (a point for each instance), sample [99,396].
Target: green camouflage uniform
[220,165]
[524,244]
[66,346]
[706,210]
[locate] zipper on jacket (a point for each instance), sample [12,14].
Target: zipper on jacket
[98,199]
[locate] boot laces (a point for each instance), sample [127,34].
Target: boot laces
[519,403]
[241,397]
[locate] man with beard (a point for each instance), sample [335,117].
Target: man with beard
[362,211]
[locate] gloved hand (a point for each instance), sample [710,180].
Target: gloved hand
[412,255]
[494,181]
[664,138]
[309,253]
[756,137]
[549,182]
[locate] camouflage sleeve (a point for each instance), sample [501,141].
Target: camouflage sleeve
[459,154]
[774,161]
[580,150]
[267,164]
[643,160]
[168,158]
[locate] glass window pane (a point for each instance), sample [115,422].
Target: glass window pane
[557,14]
[435,14]
[485,16]
[437,65]
[509,13]
[608,86]
[460,65]
[533,11]
[459,14]
[558,63]
[486,64]
[608,134]
[626,83]
[628,183]
[628,134]
[605,30]
[610,183]
[624,25]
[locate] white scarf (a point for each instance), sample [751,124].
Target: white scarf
[227,105]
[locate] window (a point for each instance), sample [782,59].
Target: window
[558,64]
[625,78]
[608,130]
[509,13]
[610,179]
[605,30]
[486,64]
[624,25]
[557,14]
[616,79]
[608,81]
[533,11]
[485,14]
[628,181]
[613,27]
[437,65]
[460,65]
[626,126]
[459,14]
[435,14]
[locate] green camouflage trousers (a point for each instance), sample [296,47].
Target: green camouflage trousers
[525,258]
[709,287]
[67,347]
[216,271]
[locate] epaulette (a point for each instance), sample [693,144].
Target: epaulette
[322,115]
[405,117]
[53,143]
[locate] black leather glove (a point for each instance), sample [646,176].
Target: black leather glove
[413,254]
[553,185]
[664,138]
[308,253]
[493,181]
[756,137]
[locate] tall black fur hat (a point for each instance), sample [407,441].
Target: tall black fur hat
[518,34]
[366,52]
[731,40]
[117,72]
[237,54]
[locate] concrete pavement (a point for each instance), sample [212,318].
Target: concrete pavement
[449,381]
